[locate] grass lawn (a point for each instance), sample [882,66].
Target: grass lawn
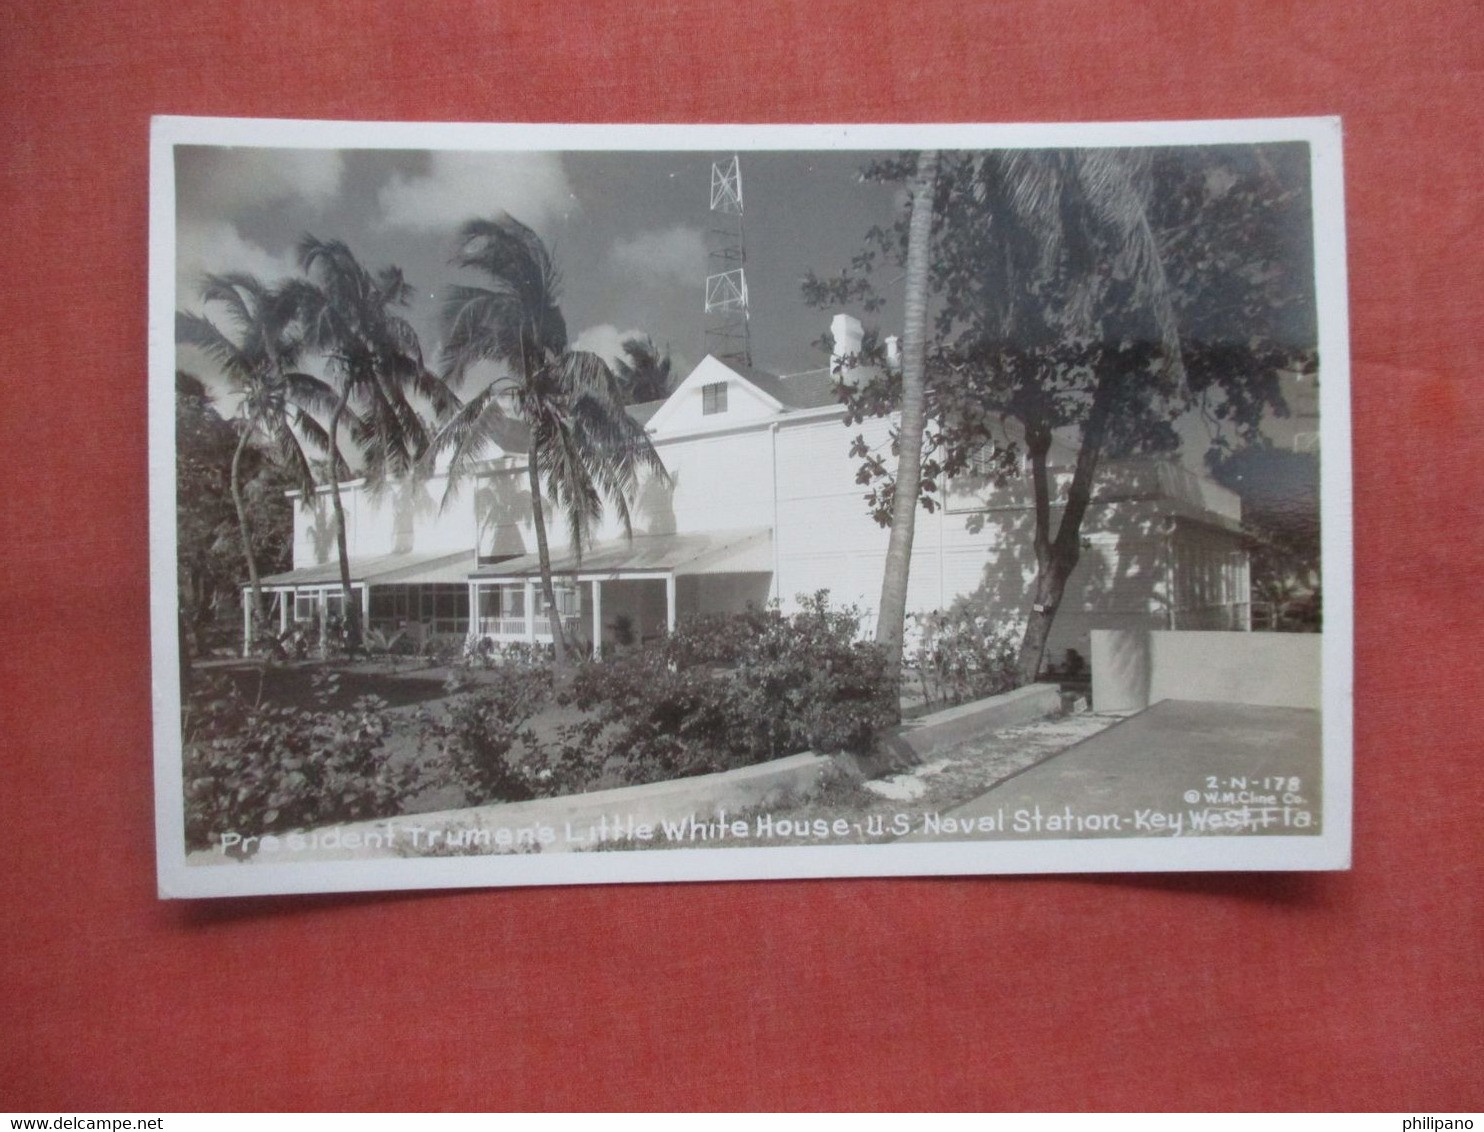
[294,685]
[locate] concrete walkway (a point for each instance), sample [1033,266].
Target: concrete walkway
[1178,768]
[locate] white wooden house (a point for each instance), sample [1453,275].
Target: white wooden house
[762,504]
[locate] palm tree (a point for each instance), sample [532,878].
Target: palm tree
[643,373]
[893,610]
[275,401]
[583,446]
[372,353]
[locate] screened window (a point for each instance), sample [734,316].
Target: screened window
[714,398]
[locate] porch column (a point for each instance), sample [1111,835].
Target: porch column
[365,610]
[475,628]
[670,603]
[247,623]
[283,612]
[597,619]
[324,622]
[530,612]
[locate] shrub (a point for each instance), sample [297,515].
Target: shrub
[722,693]
[486,745]
[729,691]
[810,681]
[485,652]
[261,769]
[644,720]
[962,654]
[388,642]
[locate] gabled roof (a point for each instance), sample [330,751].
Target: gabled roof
[812,389]
[770,394]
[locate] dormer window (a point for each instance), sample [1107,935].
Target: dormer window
[714,398]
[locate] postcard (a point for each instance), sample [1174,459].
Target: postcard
[559,504]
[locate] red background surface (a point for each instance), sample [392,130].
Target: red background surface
[1308,991]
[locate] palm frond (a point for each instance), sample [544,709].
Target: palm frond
[309,393]
[199,331]
[467,437]
[562,461]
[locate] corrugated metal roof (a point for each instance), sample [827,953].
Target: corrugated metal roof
[748,551]
[384,570]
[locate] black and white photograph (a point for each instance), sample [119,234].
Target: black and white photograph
[577,504]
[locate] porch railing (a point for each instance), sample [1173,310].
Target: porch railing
[514,628]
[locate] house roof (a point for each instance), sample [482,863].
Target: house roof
[746,551]
[812,389]
[645,409]
[384,570]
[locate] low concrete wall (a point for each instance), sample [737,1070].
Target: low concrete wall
[1132,669]
[925,736]
[552,825]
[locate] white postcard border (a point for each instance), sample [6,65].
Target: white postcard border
[1328,850]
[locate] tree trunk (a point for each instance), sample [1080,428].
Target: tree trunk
[259,614]
[891,617]
[1057,557]
[543,553]
[349,609]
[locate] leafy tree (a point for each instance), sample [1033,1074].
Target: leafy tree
[1097,296]
[582,445]
[893,609]
[275,402]
[209,559]
[643,373]
[352,317]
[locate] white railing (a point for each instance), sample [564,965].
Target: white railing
[514,628]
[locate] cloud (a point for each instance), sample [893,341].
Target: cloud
[605,340]
[229,180]
[216,247]
[532,187]
[675,254]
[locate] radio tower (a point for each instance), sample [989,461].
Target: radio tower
[728,325]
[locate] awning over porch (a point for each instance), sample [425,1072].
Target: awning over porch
[747,551]
[383,570]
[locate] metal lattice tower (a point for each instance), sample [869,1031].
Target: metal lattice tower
[728,323]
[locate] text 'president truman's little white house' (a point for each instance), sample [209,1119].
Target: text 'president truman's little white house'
[762,504]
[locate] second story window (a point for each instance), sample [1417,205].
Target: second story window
[714,398]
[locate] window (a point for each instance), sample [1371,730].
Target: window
[567,599]
[714,398]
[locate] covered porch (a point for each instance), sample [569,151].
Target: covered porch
[623,594]
[424,596]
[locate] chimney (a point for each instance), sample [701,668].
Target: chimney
[847,333]
[893,353]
